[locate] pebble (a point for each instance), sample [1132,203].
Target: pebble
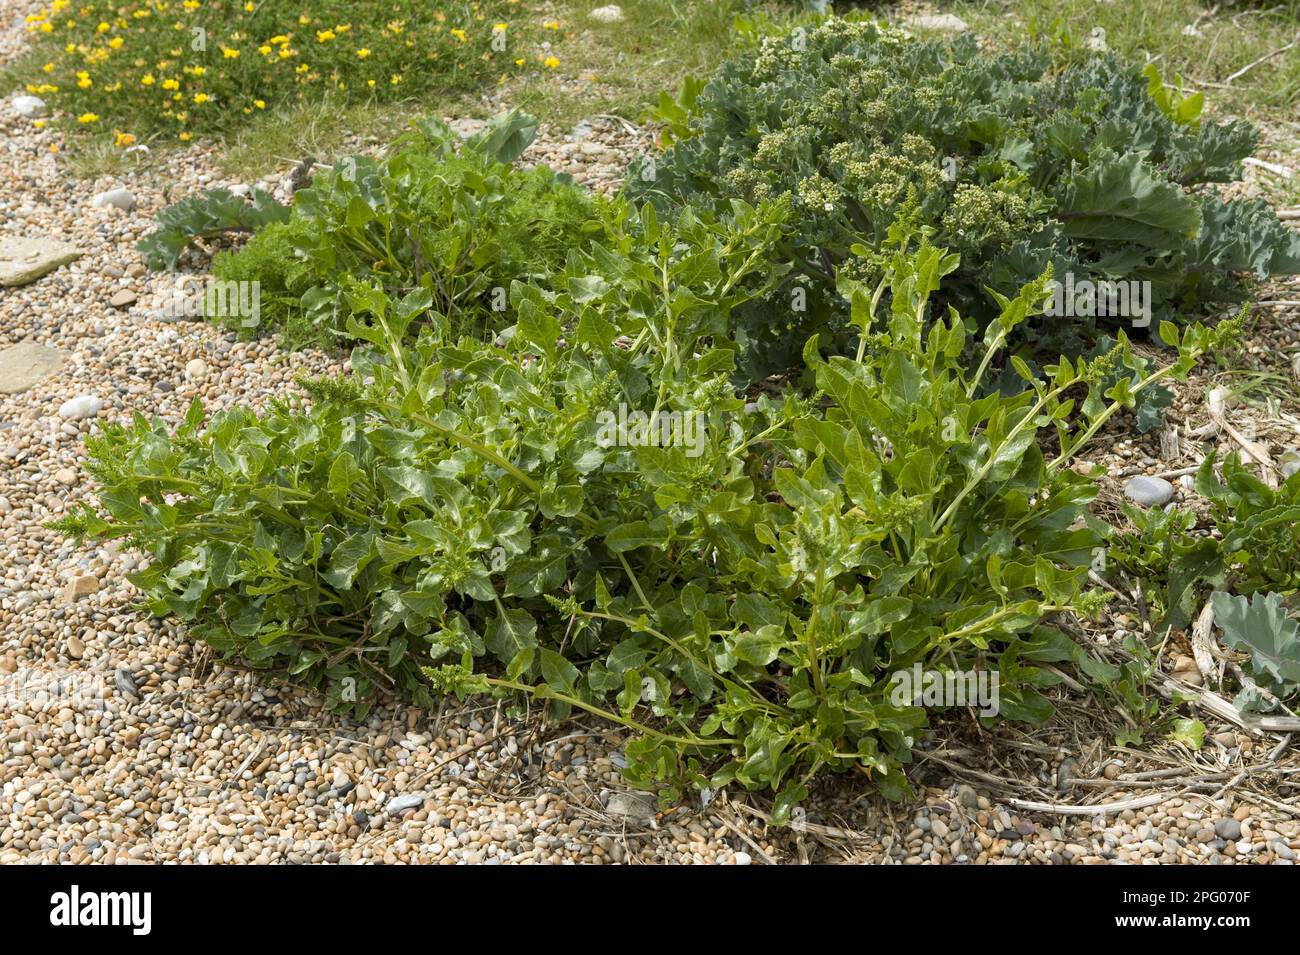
[29,107]
[196,369]
[1229,829]
[1149,491]
[122,298]
[83,406]
[116,198]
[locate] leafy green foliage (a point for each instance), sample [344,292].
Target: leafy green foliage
[451,218]
[1253,549]
[1260,626]
[213,214]
[142,68]
[456,518]
[1093,169]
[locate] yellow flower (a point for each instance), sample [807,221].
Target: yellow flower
[185,136]
[116,43]
[324,36]
[88,118]
[370,83]
[459,35]
[48,68]
[552,24]
[198,70]
[303,20]
[250,6]
[550,62]
[499,27]
[123,140]
[519,62]
[47,27]
[302,68]
[171,84]
[39,123]
[279,40]
[363,53]
[54,148]
[190,4]
[201,98]
[229,54]
[265,50]
[146,80]
[260,103]
[395,78]
[103,27]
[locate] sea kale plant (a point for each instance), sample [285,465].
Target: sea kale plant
[1095,168]
[585,511]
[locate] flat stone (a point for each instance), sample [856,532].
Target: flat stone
[1149,491]
[24,260]
[122,298]
[635,807]
[29,107]
[25,364]
[82,586]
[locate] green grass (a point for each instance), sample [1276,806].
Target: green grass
[1225,42]
[620,68]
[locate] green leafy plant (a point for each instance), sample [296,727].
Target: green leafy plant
[1260,627]
[453,218]
[1094,169]
[214,214]
[141,69]
[738,587]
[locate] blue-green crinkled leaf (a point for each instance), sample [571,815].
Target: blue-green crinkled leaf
[1260,626]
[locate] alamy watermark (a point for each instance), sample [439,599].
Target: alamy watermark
[921,687]
[1086,298]
[40,689]
[196,299]
[665,429]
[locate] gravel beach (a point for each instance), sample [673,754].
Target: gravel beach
[123,742]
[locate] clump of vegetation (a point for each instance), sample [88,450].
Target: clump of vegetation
[453,218]
[180,68]
[738,587]
[1102,172]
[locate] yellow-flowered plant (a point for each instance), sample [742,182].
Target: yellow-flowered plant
[137,63]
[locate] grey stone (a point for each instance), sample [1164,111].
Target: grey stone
[635,808]
[402,803]
[25,364]
[1229,829]
[29,107]
[24,260]
[1149,491]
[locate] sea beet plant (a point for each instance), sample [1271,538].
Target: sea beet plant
[456,516]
